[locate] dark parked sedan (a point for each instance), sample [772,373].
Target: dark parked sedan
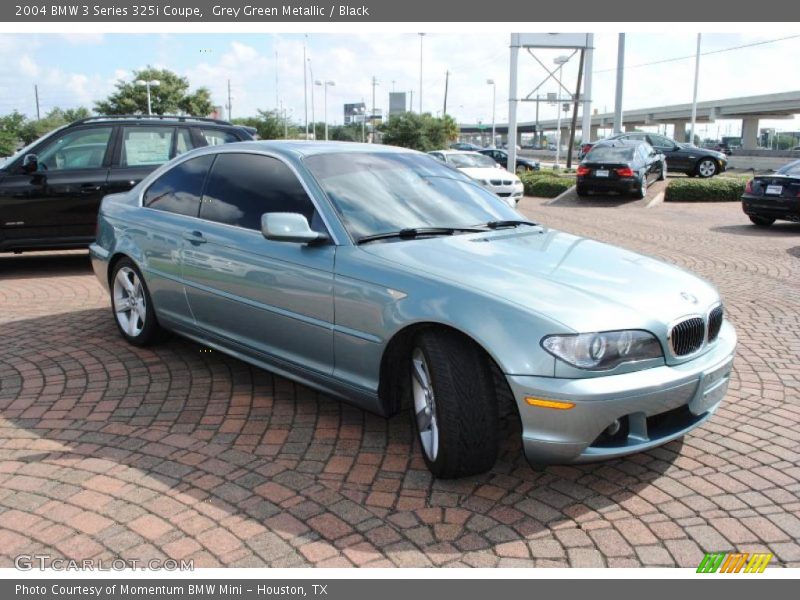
[682,158]
[767,198]
[621,166]
[501,158]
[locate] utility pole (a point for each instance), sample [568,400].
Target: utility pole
[575,109]
[305,85]
[421,37]
[538,135]
[229,100]
[36,92]
[372,118]
[446,83]
[277,101]
[618,97]
[411,101]
[313,118]
[694,97]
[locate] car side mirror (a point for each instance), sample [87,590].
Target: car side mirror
[289,227]
[30,164]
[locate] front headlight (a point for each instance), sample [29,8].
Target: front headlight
[603,350]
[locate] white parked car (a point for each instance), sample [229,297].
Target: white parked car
[485,171]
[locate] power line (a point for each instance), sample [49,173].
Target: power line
[707,53]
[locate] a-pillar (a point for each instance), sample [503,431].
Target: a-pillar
[750,133]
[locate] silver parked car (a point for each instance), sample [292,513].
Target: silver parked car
[389,280]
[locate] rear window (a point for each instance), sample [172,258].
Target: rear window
[792,169]
[611,153]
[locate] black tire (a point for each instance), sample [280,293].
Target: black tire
[150,331]
[760,221]
[641,192]
[706,167]
[662,174]
[465,405]
[581,191]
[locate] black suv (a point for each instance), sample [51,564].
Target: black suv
[50,191]
[681,158]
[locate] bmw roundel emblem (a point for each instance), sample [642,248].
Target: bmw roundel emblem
[689,297]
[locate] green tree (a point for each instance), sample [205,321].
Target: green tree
[419,132]
[268,124]
[345,133]
[171,95]
[10,132]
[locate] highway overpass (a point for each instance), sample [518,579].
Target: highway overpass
[749,110]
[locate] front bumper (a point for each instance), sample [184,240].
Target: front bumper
[651,407]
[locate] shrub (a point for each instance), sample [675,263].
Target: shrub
[714,189]
[546,183]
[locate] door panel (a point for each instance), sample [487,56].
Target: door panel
[274,297]
[60,200]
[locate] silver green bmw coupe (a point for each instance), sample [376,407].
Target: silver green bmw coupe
[384,278]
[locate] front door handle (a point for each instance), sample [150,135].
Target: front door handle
[90,188]
[196,237]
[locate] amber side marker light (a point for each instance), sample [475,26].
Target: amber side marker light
[556,404]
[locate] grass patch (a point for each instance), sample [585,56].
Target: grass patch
[714,189]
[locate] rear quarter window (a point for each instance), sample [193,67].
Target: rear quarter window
[179,190]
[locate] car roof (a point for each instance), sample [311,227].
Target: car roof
[153,119]
[303,148]
[621,143]
[469,152]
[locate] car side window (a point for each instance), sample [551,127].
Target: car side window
[242,187]
[179,189]
[146,146]
[438,156]
[183,141]
[637,137]
[659,141]
[217,137]
[78,149]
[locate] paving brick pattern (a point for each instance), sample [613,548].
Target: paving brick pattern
[110,451]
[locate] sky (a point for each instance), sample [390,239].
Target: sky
[74,70]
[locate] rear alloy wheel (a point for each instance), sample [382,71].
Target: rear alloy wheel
[131,304]
[707,168]
[642,191]
[454,405]
[760,221]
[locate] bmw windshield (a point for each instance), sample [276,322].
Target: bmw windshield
[382,192]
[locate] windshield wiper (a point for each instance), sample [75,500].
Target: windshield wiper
[506,223]
[414,232]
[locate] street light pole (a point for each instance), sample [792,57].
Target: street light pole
[147,84]
[494,105]
[325,85]
[305,87]
[313,118]
[421,36]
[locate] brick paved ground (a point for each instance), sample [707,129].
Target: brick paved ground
[111,451]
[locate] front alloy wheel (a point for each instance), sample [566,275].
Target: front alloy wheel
[454,404]
[707,168]
[424,405]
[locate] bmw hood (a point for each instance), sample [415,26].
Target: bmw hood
[583,284]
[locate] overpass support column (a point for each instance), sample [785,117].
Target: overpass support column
[680,134]
[594,131]
[630,128]
[750,133]
[519,138]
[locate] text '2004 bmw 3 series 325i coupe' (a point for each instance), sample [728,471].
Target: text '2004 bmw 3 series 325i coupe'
[386,279]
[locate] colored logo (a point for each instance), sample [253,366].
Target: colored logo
[735,562]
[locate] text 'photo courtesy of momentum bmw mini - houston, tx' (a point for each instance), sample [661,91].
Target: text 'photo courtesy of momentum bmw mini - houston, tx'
[342,266]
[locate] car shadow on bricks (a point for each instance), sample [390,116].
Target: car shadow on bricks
[44,264]
[779,228]
[108,450]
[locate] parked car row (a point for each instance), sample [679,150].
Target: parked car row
[682,158]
